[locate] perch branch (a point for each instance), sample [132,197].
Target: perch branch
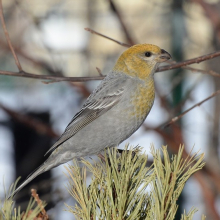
[185,112]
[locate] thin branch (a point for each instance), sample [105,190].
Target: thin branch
[174,65]
[124,27]
[44,214]
[41,63]
[99,71]
[109,38]
[83,79]
[8,38]
[208,72]
[49,77]
[185,112]
[190,61]
[31,122]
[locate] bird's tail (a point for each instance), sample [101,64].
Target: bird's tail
[41,169]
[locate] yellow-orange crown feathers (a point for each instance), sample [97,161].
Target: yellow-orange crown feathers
[142,48]
[136,62]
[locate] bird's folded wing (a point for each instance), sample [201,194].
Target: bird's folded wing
[107,95]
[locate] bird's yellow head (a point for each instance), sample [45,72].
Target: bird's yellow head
[141,60]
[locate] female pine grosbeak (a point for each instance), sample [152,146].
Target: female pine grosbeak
[113,112]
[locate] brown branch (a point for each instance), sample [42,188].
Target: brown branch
[43,215]
[109,38]
[124,27]
[99,71]
[33,123]
[44,65]
[190,61]
[185,112]
[83,79]
[40,63]
[209,72]
[8,38]
[48,77]
[174,65]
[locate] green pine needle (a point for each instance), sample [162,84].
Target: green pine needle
[123,187]
[9,212]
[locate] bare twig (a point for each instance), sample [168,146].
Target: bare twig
[31,122]
[209,72]
[44,215]
[48,77]
[99,71]
[83,79]
[8,38]
[40,63]
[124,27]
[190,61]
[198,104]
[175,65]
[109,38]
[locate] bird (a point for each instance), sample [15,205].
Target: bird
[113,111]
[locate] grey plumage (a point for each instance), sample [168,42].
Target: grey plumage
[70,145]
[113,112]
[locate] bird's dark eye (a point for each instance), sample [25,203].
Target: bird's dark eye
[148,54]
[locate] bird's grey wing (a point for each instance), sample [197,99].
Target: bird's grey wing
[107,95]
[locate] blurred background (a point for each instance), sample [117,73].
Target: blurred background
[49,38]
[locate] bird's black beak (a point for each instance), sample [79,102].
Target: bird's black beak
[164,56]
